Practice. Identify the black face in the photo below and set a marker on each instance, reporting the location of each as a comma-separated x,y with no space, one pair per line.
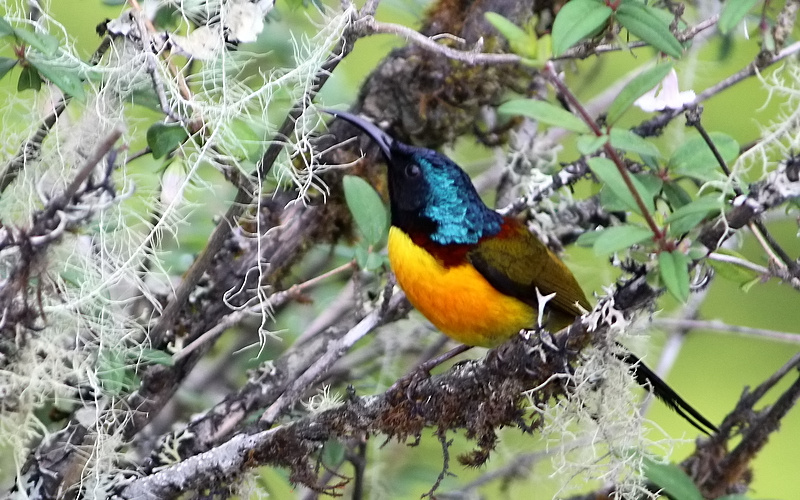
408,187
429,193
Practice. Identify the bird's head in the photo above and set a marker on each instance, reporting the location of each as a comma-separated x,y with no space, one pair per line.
428,192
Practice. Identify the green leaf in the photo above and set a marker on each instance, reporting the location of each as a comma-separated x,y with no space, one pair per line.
695,159
367,208
674,270
635,89
745,287
520,41
29,79
685,224
243,141
671,479
733,272
544,112
111,370
628,141
361,255
6,63
588,238
67,79
651,183
618,238
608,174
676,195
704,205
155,357
735,497
5,28
733,11
641,21
688,216
374,262
577,20
333,452
43,42
589,143
163,138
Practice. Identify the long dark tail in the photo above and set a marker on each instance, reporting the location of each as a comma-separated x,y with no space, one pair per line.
649,380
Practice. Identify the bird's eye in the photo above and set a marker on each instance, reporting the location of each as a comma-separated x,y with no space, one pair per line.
412,170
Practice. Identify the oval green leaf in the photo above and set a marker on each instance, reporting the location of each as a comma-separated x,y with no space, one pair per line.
43,42
673,267
733,11
705,205
619,238
628,141
689,216
641,21
588,238
695,159
163,138
111,370
544,112
155,357
29,79
65,78
608,174
367,208
636,88
733,272
676,195
5,28
519,40
577,20
672,480
589,143
6,63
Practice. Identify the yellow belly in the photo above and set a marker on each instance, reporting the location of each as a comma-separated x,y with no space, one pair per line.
457,300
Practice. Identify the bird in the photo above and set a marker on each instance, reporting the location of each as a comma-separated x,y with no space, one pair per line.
480,277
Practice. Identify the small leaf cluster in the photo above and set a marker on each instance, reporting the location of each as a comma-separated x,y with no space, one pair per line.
637,178
36,53
583,19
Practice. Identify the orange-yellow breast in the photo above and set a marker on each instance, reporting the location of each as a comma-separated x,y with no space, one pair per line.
457,300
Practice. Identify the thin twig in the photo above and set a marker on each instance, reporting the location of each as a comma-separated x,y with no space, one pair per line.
719,326
369,26
323,364
768,243
243,198
732,259
552,76
762,240
99,152
659,122
273,301
675,342
31,147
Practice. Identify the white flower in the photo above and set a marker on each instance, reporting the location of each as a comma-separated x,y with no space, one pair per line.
245,20
665,95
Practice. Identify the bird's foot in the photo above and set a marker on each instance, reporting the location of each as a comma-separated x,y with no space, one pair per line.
408,383
552,350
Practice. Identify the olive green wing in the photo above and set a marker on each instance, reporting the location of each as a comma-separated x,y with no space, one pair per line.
516,263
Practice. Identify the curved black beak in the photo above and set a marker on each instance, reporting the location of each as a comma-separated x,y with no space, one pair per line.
384,140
